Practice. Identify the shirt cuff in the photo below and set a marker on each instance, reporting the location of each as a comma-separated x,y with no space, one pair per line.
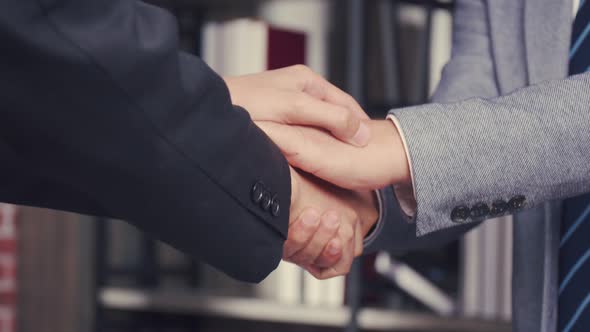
405,195
378,225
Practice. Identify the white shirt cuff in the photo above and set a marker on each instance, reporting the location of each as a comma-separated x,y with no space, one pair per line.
406,197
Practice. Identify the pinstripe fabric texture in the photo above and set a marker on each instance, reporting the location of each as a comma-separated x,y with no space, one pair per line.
574,253
499,136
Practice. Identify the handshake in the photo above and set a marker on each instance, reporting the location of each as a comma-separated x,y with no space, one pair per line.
338,158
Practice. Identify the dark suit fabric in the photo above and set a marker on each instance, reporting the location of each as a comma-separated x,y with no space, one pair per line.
101,114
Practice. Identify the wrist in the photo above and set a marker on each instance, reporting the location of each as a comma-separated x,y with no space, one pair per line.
392,151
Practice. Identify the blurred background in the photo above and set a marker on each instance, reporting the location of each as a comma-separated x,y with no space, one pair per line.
63,272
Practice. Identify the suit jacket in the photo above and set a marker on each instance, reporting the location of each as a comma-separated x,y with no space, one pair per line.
101,114
508,130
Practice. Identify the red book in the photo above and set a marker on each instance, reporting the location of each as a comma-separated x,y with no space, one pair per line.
285,48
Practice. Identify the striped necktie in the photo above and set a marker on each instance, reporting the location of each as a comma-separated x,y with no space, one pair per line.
574,249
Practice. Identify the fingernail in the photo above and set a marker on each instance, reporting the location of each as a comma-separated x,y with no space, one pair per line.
333,248
310,218
362,136
331,220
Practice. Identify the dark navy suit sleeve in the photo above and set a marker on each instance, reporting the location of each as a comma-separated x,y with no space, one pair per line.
101,114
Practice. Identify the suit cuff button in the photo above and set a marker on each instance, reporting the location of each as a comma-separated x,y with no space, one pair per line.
479,211
257,192
460,214
499,208
275,208
266,201
517,203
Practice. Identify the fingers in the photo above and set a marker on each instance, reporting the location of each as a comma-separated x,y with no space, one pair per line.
306,244
320,88
331,254
306,80
328,228
297,95
301,232
327,258
342,122
342,118
346,233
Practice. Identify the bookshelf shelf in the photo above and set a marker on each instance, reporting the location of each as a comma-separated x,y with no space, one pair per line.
195,303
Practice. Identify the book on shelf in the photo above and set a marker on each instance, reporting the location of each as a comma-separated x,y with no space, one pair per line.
487,271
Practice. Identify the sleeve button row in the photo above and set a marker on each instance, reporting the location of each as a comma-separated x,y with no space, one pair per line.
265,199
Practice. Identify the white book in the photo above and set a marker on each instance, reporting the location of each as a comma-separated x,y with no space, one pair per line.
507,260
471,273
244,47
313,293
236,47
492,269
283,284
211,43
440,45
487,270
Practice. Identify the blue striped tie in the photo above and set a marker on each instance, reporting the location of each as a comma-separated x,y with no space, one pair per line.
574,250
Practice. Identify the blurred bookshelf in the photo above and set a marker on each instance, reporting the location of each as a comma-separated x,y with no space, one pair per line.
251,309
386,53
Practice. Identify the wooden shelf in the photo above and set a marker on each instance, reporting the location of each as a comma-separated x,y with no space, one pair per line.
194,303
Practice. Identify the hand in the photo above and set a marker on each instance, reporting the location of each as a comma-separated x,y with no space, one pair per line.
382,162
326,244
298,96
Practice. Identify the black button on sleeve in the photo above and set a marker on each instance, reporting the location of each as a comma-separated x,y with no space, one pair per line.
517,203
480,211
499,208
460,214
257,192
266,201
275,208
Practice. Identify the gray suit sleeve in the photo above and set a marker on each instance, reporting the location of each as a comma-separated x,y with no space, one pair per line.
531,143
